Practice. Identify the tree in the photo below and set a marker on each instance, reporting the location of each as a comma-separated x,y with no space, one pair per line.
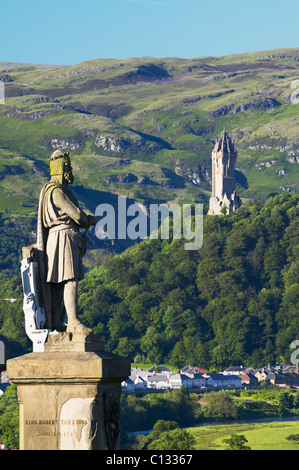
220,403
177,439
152,344
294,438
167,435
9,418
236,442
161,426
286,400
224,209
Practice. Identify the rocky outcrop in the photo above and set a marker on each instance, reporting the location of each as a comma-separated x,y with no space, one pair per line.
290,149
35,115
4,77
143,73
256,104
108,144
64,144
40,99
203,130
189,171
125,178
142,180
223,111
263,165
281,172
217,95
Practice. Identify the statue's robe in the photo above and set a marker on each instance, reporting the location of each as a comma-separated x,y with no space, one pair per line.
60,243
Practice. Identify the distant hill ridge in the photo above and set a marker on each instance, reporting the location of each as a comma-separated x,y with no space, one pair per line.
145,127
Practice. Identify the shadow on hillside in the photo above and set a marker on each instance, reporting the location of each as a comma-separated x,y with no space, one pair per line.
91,198
241,179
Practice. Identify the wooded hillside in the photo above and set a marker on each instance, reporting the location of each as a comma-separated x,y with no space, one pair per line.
235,301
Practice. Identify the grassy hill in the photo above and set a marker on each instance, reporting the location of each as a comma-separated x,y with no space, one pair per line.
165,111
145,127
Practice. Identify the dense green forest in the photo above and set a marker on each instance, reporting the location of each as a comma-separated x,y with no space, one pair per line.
234,301
15,232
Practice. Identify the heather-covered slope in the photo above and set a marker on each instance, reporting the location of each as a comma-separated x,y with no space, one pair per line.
164,112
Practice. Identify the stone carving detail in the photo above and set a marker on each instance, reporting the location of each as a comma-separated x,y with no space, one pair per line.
75,424
111,419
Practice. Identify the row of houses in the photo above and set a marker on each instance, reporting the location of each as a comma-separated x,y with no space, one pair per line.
195,378
162,378
145,380
278,377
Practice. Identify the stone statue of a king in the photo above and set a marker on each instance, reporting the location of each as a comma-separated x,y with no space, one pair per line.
61,246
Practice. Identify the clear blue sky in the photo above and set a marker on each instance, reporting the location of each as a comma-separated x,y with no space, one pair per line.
71,31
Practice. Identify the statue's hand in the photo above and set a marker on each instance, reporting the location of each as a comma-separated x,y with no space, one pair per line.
92,220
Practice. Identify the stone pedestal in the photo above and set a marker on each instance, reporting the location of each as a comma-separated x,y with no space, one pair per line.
69,394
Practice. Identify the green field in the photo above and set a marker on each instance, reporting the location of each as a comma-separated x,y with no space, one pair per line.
260,436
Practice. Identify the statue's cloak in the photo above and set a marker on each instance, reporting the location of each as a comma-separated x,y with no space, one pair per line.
42,236
60,243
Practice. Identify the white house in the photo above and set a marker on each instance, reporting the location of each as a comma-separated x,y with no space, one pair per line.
234,370
175,381
198,381
158,381
162,370
142,372
128,385
193,380
186,380
140,383
134,383
221,380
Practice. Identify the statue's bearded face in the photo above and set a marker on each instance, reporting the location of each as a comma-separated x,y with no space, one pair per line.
68,174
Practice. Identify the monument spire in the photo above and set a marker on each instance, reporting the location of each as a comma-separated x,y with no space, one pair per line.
224,194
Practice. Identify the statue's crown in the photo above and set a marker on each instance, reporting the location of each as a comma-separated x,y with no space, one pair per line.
59,154
58,160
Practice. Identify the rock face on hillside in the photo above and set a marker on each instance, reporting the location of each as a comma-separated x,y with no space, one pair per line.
125,178
256,104
189,171
4,77
108,144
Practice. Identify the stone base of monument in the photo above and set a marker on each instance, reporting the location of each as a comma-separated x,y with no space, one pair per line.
69,395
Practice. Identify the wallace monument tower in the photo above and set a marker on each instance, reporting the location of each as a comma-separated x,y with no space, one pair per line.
224,196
